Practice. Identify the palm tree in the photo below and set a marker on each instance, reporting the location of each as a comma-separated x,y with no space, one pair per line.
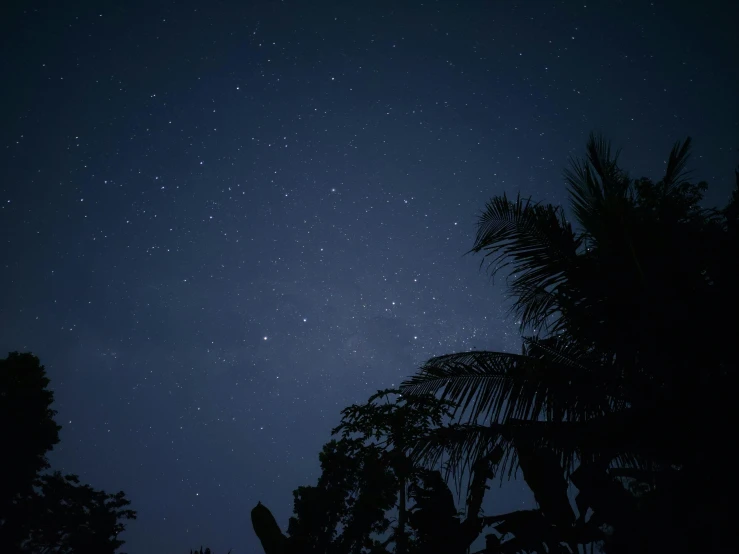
625,365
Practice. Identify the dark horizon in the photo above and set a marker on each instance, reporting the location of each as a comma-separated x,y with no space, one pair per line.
225,223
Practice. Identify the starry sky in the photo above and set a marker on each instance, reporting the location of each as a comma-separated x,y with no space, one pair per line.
222,222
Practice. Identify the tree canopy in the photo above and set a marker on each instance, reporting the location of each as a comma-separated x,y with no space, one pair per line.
43,511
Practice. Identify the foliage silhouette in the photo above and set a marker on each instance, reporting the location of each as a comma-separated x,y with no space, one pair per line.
73,518
46,512
266,528
553,527
371,495
621,369
25,402
607,394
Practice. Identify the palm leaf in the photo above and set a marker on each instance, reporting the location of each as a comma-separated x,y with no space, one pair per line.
490,384
675,171
604,163
597,189
559,349
537,307
498,386
613,437
535,242
455,446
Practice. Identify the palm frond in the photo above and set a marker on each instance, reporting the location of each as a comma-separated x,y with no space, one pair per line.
596,185
537,307
604,163
492,384
499,386
675,171
586,194
534,241
558,349
457,446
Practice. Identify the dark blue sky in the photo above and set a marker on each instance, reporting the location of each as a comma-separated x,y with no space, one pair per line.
222,222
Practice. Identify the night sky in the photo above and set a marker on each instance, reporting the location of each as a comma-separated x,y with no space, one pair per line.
223,222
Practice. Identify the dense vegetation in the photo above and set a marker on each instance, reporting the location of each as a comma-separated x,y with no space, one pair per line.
622,389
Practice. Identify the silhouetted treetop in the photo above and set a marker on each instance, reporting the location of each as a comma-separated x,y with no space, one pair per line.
46,512
27,427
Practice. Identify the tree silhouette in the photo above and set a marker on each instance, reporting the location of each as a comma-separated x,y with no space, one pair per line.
75,519
371,494
27,433
46,512
625,367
